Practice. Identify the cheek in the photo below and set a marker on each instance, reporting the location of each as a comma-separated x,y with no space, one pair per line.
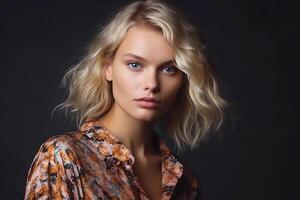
172,89
123,85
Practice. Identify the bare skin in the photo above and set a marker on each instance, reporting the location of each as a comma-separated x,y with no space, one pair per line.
149,174
142,67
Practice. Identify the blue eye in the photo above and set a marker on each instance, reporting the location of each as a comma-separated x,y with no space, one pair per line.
170,69
134,66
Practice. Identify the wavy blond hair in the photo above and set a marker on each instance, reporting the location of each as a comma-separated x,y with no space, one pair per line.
199,107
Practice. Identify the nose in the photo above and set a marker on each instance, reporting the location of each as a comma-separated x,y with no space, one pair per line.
151,82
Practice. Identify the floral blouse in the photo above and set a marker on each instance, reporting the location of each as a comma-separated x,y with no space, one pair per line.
93,164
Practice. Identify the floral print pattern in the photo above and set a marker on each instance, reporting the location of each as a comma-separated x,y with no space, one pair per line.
93,164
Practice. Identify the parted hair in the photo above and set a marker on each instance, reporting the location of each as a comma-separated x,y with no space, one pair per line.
199,107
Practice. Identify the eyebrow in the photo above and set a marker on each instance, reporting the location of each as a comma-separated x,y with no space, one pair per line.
144,60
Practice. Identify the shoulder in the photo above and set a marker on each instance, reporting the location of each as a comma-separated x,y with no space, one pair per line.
55,168
188,175
62,141
189,182
58,149
55,150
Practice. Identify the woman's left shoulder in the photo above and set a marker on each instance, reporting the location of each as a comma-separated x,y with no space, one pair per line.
188,184
189,174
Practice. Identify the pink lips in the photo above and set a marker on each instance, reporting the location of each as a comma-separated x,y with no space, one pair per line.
149,103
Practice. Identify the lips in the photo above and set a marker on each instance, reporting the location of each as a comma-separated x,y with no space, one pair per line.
148,99
148,103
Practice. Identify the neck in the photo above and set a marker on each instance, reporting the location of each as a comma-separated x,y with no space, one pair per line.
135,134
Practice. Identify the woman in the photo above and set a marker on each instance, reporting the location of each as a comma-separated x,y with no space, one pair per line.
145,65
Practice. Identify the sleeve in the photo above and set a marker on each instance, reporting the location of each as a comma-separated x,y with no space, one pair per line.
54,173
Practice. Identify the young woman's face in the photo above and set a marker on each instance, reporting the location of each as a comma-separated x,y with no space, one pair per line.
143,67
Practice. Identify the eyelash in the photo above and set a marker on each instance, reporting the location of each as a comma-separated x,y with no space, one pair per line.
173,67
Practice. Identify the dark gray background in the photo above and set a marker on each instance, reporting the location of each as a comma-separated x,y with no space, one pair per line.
253,44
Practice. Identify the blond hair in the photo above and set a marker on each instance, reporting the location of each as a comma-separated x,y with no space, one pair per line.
199,106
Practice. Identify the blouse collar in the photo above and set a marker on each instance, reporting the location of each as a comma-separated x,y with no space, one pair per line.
116,153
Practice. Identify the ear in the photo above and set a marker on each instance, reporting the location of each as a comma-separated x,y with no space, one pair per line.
108,70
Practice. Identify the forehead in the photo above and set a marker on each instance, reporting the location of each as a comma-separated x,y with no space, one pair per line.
146,42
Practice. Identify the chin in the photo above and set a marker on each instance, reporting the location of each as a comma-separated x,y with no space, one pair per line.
147,117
